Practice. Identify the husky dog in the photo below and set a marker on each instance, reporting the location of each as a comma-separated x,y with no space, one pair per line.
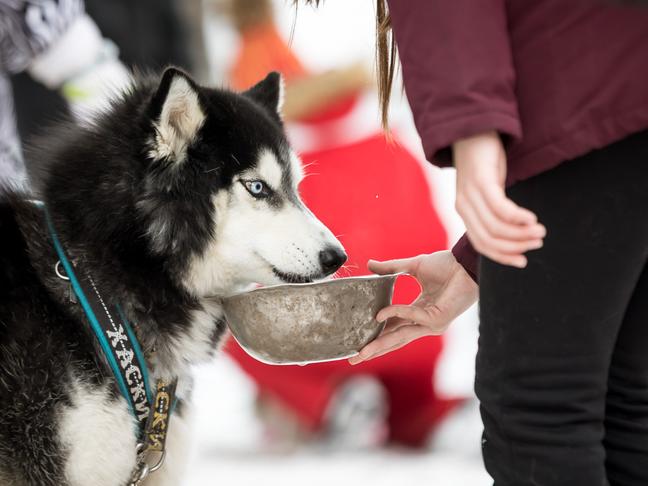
175,196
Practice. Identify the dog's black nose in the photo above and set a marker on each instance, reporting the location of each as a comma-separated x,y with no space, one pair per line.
331,259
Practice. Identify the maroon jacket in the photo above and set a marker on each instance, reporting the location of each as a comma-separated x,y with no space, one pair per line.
557,78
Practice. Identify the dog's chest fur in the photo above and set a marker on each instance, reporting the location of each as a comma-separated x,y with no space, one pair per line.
96,425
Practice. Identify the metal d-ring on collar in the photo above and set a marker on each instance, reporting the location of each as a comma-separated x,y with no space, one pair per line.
59,274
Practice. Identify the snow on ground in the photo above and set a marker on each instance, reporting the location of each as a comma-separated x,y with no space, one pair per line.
227,450
377,469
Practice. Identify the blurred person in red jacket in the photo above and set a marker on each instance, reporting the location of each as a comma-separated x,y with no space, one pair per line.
542,107
366,191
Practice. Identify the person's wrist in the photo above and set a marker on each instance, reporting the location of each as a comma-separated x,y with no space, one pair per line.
464,148
468,283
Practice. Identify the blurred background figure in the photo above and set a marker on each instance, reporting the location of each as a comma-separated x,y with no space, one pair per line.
366,190
58,46
143,35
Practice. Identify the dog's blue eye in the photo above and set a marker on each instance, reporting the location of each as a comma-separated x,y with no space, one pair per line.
257,188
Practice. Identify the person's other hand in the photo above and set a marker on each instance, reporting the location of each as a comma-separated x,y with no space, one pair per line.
496,226
447,290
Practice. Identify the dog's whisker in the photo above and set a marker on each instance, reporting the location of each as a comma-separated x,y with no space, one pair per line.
310,164
351,266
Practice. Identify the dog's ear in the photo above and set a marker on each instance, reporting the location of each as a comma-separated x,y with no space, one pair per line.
269,93
177,116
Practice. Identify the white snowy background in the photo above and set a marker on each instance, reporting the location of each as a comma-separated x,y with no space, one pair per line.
227,447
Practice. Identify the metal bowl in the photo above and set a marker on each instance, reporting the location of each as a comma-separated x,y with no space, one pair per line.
309,323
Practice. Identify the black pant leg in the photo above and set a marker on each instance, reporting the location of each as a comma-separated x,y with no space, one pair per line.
626,415
548,332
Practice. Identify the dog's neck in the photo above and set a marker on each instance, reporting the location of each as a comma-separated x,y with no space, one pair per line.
175,329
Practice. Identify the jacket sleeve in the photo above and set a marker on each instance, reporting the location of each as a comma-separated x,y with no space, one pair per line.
467,256
457,70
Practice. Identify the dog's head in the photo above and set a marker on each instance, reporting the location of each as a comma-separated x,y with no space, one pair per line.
221,189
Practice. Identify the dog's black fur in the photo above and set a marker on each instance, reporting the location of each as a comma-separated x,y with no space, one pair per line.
103,191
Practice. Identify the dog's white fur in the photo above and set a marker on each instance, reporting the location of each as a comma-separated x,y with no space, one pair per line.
193,346
94,426
269,169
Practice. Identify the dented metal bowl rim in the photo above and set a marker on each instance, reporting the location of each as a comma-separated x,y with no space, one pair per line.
320,283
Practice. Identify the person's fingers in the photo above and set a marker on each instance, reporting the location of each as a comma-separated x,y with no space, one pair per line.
394,323
503,229
503,207
377,354
507,247
391,326
405,312
518,260
406,265
390,342
479,240
503,251
471,218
